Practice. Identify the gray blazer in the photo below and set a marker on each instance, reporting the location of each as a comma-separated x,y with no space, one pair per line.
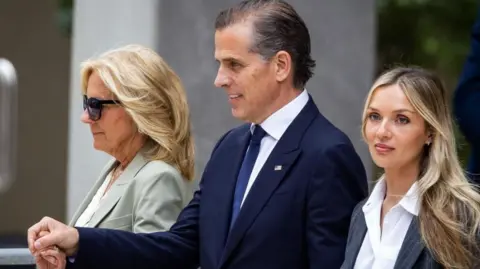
147,197
413,253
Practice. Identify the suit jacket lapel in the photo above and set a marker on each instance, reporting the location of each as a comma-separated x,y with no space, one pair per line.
117,189
285,153
357,235
411,248
92,192
228,174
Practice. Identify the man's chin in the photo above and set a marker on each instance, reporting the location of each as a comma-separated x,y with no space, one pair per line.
239,115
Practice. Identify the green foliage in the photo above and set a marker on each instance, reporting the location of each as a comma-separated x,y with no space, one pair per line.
429,33
64,17
433,34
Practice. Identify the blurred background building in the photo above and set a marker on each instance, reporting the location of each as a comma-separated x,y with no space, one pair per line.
46,40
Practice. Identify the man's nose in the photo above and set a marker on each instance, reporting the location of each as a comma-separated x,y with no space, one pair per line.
221,80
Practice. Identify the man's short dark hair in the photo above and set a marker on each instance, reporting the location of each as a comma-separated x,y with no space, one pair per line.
277,27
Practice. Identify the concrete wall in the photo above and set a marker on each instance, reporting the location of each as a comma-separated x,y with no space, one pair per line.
343,42
31,40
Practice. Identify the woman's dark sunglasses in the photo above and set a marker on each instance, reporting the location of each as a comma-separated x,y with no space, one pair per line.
94,106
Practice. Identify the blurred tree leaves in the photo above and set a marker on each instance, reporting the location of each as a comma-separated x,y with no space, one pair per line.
430,33
434,34
64,17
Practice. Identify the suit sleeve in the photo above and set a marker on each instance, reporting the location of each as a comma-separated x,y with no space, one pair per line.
467,95
159,202
338,184
175,249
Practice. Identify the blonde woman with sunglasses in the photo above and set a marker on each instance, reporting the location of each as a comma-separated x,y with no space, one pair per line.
136,109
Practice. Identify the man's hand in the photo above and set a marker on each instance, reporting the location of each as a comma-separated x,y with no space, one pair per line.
58,234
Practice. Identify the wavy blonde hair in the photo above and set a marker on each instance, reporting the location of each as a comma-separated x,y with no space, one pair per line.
153,95
449,214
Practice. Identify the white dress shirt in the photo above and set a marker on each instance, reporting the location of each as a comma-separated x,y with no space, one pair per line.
380,247
275,126
87,214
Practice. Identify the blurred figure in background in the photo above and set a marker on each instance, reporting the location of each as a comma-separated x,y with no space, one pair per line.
137,111
423,212
467,103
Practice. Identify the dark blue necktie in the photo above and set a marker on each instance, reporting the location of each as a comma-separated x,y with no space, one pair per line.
246,170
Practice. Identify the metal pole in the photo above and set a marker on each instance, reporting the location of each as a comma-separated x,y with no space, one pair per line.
8,124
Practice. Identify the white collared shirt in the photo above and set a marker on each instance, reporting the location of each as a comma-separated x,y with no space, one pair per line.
275,126
380,248
92,207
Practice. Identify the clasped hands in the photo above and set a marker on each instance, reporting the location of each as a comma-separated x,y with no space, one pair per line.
50,242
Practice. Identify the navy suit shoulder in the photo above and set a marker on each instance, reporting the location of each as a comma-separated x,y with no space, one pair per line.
322,136
230,137
325,140
467,99
338,184
233,134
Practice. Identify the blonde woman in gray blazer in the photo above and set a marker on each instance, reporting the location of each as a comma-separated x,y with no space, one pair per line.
422,213
137,111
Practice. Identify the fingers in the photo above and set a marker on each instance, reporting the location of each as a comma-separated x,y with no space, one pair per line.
32,234
62,263
40,262
54,253
48,233
47,241
50,259
55,258
40,229
43,233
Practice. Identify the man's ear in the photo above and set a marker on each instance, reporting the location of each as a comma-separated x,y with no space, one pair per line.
283,65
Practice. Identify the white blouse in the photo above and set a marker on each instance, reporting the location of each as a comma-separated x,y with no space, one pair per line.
380,247
87,214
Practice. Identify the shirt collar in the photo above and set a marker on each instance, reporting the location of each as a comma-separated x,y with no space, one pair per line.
409,202
277,123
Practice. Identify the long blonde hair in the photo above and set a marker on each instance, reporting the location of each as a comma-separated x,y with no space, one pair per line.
153,95
449,214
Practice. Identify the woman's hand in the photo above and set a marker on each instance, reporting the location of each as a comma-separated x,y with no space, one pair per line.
50,258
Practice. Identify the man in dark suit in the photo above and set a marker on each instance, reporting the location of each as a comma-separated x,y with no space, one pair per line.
276,193
467,103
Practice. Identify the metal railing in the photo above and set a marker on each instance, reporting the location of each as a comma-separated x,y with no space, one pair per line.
18,258
8,124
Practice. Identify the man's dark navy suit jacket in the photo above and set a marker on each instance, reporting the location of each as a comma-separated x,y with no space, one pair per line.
467,103
293,218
